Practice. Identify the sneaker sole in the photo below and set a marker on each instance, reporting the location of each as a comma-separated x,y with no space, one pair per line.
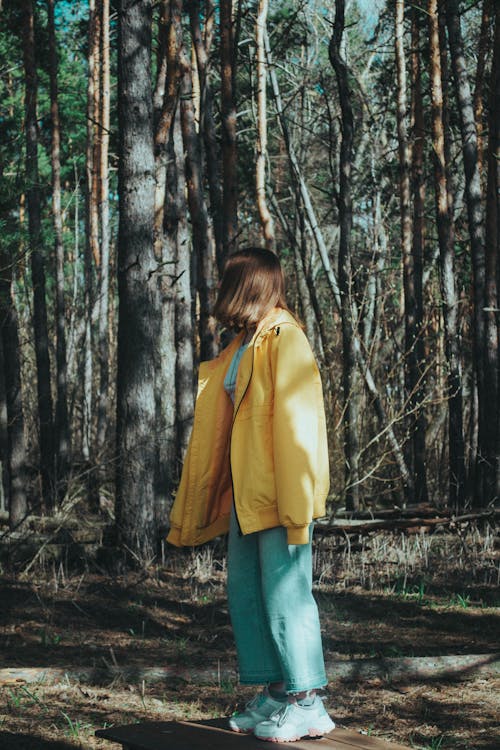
240,731
312,732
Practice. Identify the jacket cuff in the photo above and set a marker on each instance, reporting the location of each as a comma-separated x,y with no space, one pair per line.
174,537
297,534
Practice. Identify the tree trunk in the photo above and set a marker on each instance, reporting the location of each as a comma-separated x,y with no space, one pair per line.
4,437
208,126
139,304
410,315
266,219
62,430
166,105
310,309
46,438
484,476
349,372
417,393
178,227
103,402
165,254
203,241
478,85
492,349
228,53
385,424
91,234
456,497
14,460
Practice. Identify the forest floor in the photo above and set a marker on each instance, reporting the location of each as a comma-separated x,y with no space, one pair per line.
388,595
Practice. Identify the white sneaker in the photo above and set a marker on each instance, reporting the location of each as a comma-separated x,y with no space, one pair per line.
258,709
292,722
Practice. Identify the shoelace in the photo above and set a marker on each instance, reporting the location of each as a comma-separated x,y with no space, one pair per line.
256,701
280,714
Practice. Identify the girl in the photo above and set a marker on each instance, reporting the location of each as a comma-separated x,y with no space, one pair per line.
257,466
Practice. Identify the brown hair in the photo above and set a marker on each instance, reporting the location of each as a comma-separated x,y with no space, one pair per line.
252,284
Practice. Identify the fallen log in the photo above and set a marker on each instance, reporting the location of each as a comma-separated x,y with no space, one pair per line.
413,524
395,669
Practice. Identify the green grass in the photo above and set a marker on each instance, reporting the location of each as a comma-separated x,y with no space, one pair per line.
436,743
75,727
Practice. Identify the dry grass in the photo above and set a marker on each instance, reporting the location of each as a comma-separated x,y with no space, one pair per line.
385,594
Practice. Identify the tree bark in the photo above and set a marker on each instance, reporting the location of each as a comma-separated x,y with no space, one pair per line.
478,85
62,429
139,304
349,372
14,460
103,346
266,219
184,381
165,254
410,314
492,327
203,241
484,489
166,105
417,392
4,437
33,198
228,53
456,448
207,124
91,251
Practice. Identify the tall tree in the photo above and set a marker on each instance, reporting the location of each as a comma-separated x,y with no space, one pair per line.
492,326
349,373
33,199
184,338
228,53
61,431
473,196
266,219
91,251
202,43
410,302
203,237
139,303
166,101
104,122
482,53
450,306
331,279
14,458
417,392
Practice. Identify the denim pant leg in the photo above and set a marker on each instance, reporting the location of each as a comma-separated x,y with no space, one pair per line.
257,658
292,612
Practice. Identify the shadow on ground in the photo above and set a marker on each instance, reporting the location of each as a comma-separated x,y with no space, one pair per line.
17,741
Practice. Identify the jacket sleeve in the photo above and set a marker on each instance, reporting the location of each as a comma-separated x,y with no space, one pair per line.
297,400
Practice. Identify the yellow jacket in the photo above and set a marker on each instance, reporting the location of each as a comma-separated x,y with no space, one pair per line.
269,451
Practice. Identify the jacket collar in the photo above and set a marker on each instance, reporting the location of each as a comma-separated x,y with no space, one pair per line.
274,317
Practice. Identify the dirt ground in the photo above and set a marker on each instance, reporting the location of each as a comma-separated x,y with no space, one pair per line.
429,604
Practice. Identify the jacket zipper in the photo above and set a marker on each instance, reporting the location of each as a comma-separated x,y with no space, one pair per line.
240,533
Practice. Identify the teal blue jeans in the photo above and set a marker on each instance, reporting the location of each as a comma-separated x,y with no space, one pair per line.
273,612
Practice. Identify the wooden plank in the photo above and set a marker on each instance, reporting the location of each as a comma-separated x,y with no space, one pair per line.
348,738
214,735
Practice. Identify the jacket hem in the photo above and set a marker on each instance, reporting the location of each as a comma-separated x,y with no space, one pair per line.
202,535
268,518
174,537
297,534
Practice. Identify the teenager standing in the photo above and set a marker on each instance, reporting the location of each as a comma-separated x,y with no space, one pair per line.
257,467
